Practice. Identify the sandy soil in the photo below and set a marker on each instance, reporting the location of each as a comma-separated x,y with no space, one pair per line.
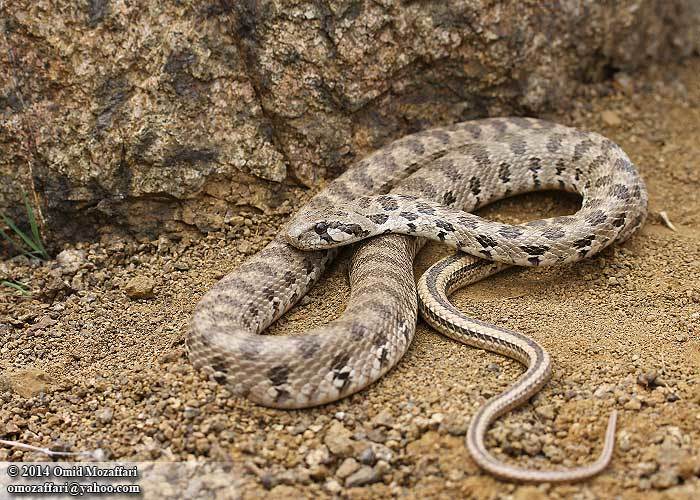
86,366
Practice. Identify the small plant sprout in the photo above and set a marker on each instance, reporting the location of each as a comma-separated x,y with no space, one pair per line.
20,287
29,245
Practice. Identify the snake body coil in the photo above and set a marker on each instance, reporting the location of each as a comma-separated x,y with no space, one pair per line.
463,166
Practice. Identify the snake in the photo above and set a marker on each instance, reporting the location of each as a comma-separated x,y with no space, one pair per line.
421,186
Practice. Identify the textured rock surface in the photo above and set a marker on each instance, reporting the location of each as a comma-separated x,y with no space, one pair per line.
158,118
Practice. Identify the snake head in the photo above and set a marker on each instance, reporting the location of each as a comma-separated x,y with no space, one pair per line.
327,228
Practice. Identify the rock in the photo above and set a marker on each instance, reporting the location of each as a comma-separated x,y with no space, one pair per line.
333,486
689,467
672,397
610,118
456,425
71,261
383,419
299,429
377,435
105,415
364,475
624,441
381,452
545,411
670,453
5,384
140,287
54,286
268,480
349,466
284,491
436,419
317,456
42,324
648,378
427,444
88,298
191,412
553,453
664,479
493,367
529,493
338,440
633,404
11,428
29,382
368,457
245,248
646,469
315,427
603,391
181,266
532,446
171,356
155,164
624,82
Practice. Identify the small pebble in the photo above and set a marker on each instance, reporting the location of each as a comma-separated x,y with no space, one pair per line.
71,261
633,404
646,469
368,457
546,412
12,428
348,467
611,118
647,378
140,287
105,415
317,457
333,486
245,248
364,475
383,419
338,440
664,479
455,425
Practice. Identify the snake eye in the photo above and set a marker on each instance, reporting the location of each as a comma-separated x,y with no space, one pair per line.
321,228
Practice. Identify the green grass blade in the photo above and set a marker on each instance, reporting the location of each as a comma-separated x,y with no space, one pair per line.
20,287
35,228
27,240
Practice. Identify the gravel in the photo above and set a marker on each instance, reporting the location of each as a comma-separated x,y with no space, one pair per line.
87,363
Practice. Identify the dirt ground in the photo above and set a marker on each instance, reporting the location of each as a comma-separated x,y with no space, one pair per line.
86,364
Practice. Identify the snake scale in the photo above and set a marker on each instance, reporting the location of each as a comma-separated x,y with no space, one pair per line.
435,177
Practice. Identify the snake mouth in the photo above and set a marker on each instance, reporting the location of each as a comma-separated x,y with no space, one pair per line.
336,234
324,234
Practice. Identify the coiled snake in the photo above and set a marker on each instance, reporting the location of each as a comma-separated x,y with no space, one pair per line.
465,166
